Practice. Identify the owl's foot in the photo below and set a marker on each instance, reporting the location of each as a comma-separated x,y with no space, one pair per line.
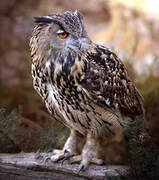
85,162
71,148
78,158
61,154
82,167
89,154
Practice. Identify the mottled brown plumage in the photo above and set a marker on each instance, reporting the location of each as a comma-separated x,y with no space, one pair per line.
83,85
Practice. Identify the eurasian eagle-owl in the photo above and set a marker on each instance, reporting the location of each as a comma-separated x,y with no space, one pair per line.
83,85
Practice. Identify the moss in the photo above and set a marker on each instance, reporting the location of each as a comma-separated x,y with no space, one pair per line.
7,144
149,87
54,136
145,161
144,155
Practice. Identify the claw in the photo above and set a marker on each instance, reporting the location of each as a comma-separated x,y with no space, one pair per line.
104,162
45,160
81,168
65,151
50,150
64,159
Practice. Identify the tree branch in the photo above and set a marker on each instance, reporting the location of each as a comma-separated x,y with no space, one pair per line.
25,166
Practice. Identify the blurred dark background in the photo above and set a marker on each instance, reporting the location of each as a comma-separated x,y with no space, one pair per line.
131,30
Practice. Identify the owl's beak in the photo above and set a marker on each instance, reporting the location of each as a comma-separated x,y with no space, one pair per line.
81,43
84,42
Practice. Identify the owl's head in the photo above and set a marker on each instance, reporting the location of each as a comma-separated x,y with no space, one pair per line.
62,32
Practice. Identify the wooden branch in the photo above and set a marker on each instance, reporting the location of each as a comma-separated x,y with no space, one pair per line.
24,166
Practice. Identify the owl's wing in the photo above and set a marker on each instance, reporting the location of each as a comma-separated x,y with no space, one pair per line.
107,83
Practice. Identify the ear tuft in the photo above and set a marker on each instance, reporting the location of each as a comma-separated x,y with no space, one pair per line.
42,20
78,14
47,19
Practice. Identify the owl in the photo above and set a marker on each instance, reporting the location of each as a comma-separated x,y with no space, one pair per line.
85,86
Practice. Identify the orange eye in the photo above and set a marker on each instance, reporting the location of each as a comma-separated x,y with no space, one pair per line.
63,35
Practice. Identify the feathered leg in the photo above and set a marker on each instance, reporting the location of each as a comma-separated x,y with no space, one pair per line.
72,147
89,153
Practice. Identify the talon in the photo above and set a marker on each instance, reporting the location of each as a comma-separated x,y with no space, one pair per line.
64,159
81,168
50,150
104,162
65,151
45,160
